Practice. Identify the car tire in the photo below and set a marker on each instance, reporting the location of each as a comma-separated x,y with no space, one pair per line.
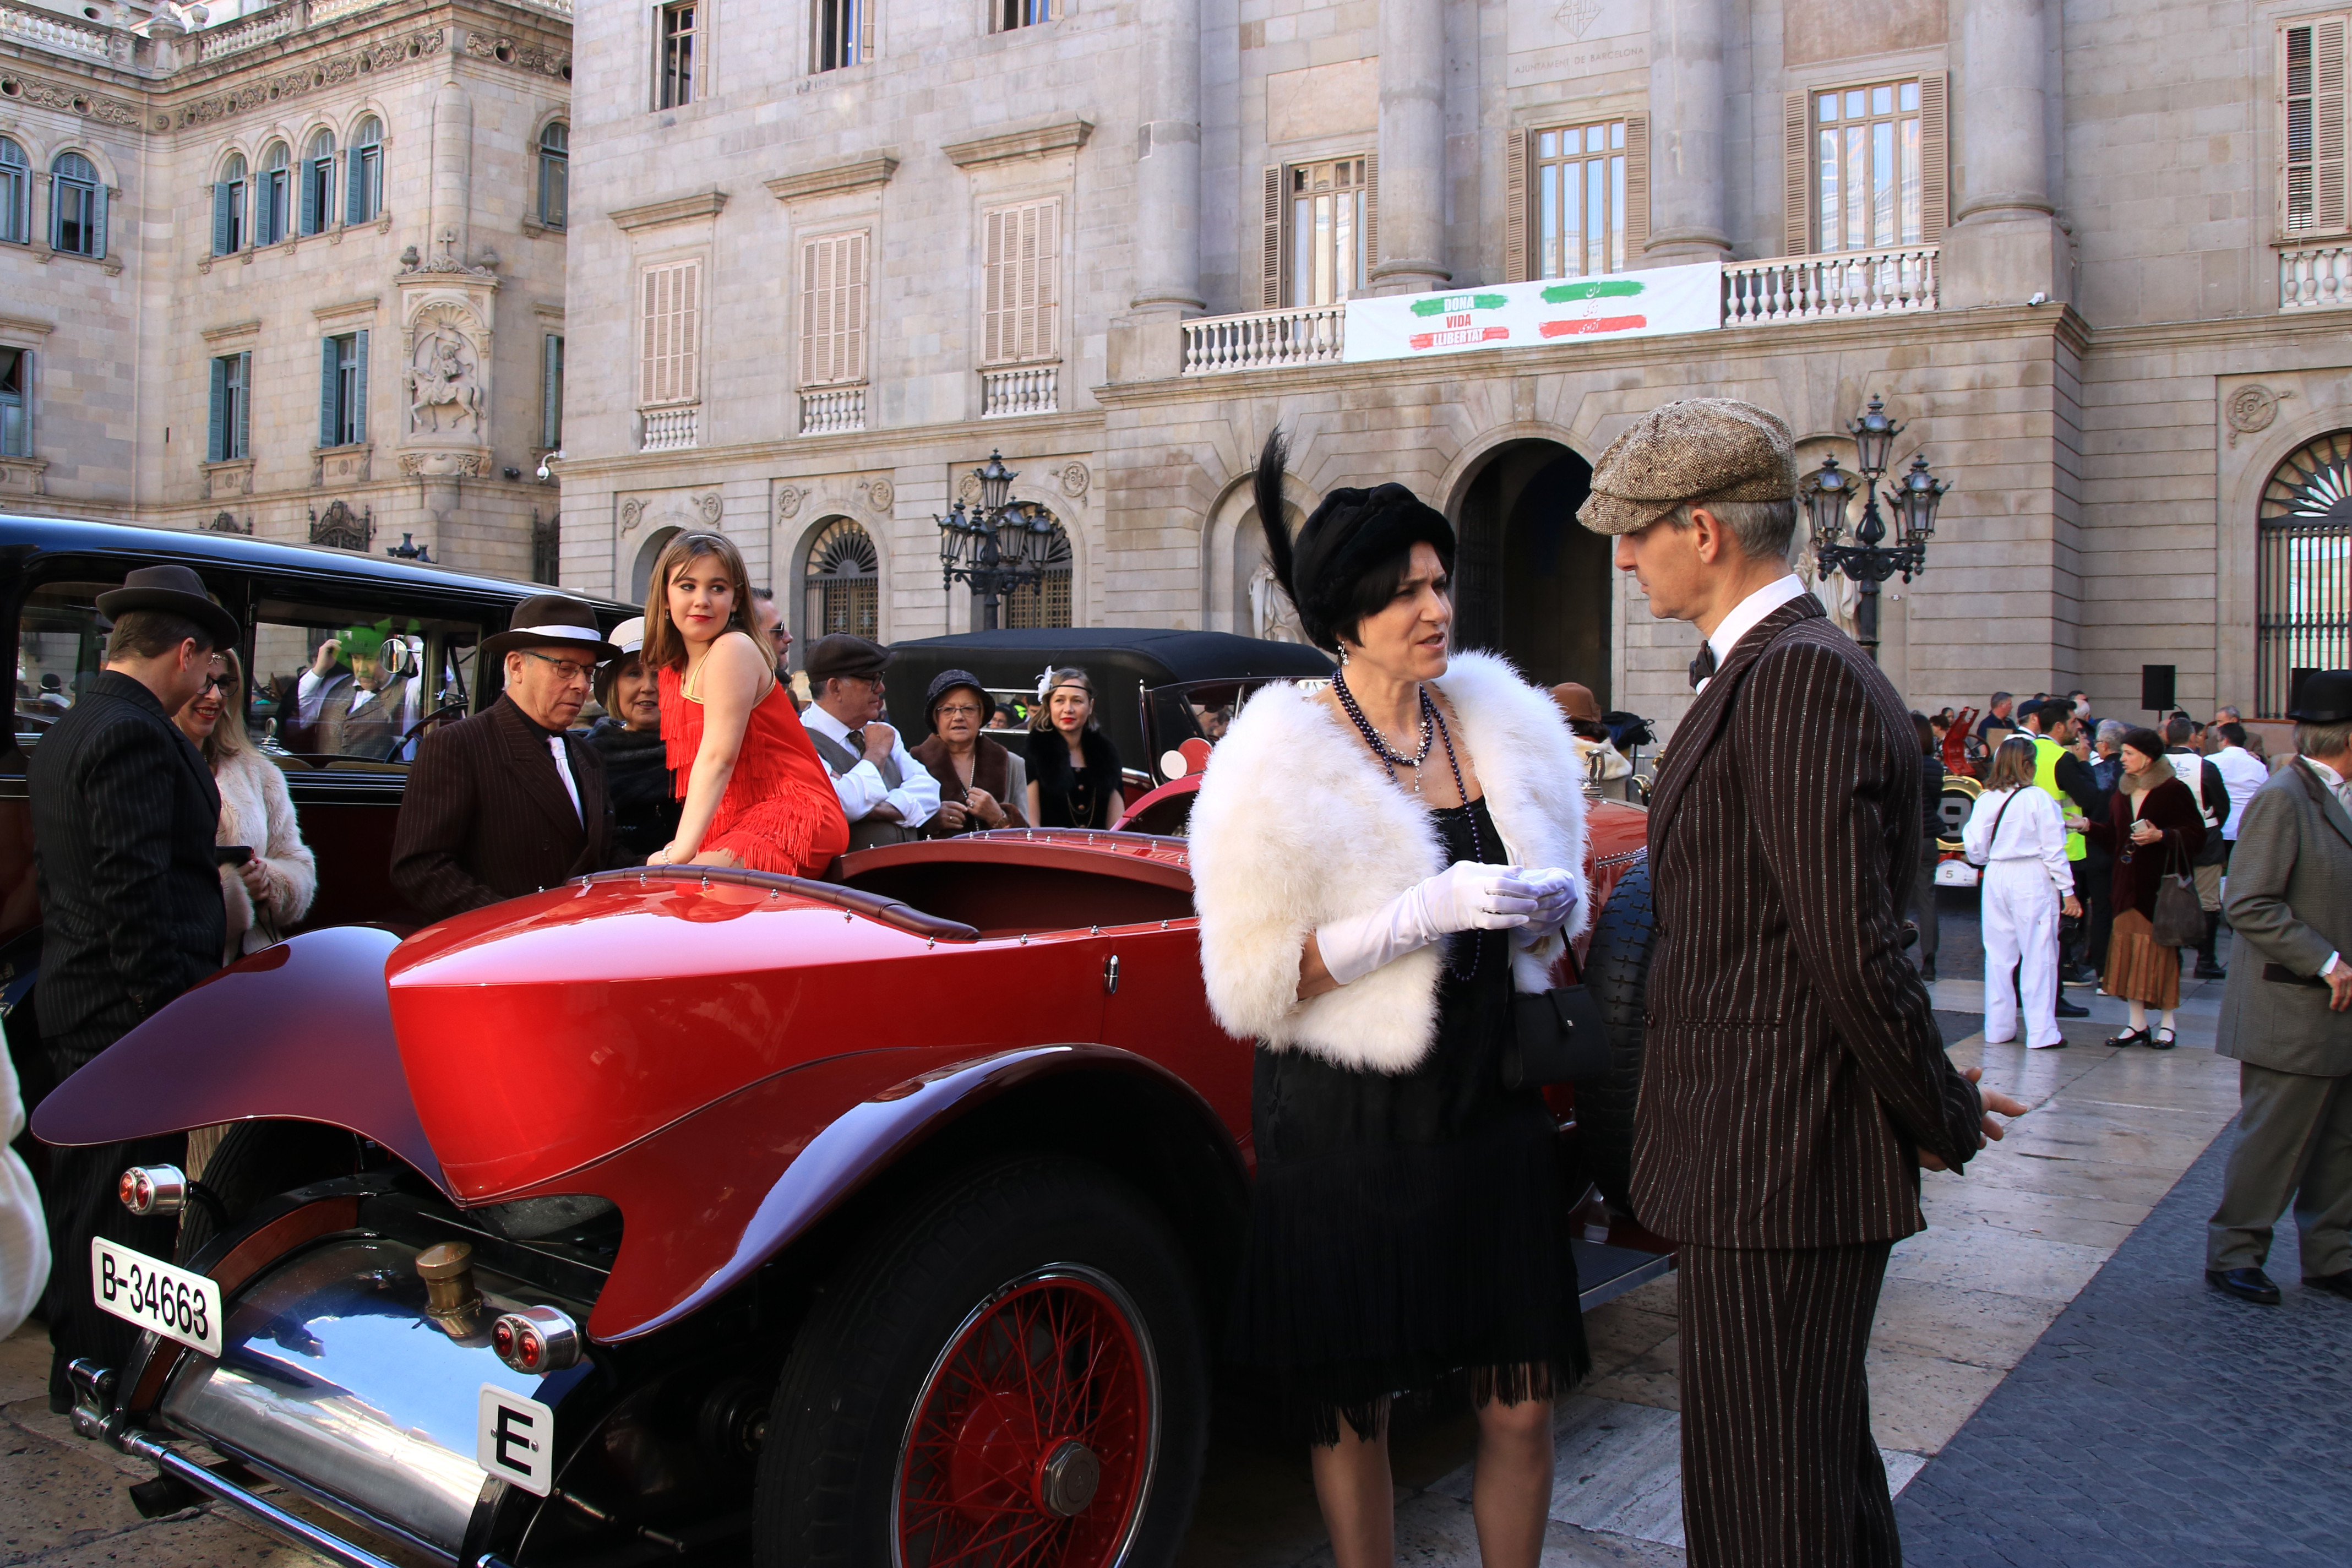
256,1161
898,1396
1617,969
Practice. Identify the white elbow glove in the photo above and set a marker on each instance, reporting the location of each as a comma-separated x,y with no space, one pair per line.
1557,896
1463,897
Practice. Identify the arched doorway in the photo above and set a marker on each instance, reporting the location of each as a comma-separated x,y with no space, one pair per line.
1046,602
2302,609
641,576
841,584
1530,582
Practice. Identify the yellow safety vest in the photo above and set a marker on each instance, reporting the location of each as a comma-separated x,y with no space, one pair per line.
2046,752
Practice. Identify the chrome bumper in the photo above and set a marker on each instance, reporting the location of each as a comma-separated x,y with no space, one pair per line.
94,1418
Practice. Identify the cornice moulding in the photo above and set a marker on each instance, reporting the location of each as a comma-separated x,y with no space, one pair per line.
1066,136
829,182
232,330
25,327
367,307
672,209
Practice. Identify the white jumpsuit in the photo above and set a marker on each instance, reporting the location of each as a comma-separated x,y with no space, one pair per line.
2026,877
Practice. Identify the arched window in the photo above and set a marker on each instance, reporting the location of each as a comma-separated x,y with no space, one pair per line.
1045,602
2303,611
77,206
318,184
270,191
844,581
554,175
363,172
16,195
228,208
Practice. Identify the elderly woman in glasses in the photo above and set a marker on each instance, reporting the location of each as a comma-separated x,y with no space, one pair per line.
981,783
272,891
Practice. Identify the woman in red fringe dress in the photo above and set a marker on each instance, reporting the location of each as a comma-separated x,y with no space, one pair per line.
756,793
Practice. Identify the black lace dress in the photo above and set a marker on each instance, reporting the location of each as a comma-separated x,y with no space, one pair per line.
1410,1231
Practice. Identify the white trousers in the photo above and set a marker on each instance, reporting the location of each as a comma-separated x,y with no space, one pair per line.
2021,934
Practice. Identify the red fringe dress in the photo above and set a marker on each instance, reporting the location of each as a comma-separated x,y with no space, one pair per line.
780,812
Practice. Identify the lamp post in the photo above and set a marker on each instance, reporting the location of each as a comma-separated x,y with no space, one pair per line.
1829,490
997,545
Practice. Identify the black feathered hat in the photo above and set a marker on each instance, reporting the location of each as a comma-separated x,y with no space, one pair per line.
1354,534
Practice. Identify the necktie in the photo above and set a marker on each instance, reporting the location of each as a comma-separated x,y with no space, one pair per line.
1702,667
858,743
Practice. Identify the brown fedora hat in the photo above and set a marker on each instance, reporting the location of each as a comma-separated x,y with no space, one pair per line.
173,590
551,620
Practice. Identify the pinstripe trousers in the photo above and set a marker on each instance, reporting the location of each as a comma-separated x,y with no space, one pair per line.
1779,1469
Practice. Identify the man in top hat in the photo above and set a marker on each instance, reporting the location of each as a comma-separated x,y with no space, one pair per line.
2286,1014
1794,1079
124,813
884,793
507,801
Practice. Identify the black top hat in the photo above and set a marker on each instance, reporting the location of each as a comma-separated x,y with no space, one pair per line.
175,590
2325,698
549,620
843,654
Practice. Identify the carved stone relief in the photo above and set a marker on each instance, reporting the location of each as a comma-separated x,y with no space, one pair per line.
657,509
106,110
878,493
2251,410
293,84
1075,479
788,502
534,57
443,374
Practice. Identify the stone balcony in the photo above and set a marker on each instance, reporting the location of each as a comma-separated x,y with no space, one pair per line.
2314,275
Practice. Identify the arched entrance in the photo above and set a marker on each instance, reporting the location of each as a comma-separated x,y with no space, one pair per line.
641,576
1530,582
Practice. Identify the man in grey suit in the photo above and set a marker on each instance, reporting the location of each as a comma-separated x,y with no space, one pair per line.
2286,1016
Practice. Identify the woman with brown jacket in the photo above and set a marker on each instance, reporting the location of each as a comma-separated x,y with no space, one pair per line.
981,783
2152,824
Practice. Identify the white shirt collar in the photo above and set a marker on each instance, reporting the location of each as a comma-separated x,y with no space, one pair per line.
1750,610
2328,775
821,720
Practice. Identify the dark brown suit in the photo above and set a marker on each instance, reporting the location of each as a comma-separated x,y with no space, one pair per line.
1793,1071
486,816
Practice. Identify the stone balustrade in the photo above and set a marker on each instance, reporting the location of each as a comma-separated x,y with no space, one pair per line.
334,10
1019,389
252,32
832,410
1265,339
64,35
1816,288
2315,277
671,429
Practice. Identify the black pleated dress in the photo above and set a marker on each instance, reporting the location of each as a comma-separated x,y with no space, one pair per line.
1409,1231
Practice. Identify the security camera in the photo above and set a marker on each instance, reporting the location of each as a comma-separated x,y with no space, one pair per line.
2039,298
544,474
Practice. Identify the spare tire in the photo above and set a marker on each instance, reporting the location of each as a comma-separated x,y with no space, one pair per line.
1617,970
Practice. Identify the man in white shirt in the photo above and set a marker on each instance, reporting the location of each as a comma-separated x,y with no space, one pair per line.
884,793
2242,771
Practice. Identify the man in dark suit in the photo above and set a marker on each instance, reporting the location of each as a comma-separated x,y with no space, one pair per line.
124,813
1794,1079
506,803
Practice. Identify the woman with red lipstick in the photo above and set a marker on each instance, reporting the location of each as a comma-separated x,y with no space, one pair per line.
756,793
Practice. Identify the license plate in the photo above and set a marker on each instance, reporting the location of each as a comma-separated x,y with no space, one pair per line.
174,1303
514,1439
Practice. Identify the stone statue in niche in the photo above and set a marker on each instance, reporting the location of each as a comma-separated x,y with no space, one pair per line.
444,381
1271,614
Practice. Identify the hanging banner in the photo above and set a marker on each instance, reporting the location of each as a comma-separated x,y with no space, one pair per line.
1523,315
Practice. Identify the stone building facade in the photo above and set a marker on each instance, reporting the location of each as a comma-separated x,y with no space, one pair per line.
294,271
831,253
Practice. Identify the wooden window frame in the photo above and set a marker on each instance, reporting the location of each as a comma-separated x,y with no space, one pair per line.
678,54
1799,229
16,196
1274,283
228,426
1011,16
1522,242
841,34
835,309
16,434
2313,128
1021,297
669,334
342,389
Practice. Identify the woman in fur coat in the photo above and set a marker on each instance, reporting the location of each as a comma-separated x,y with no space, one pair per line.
272,891
1378,868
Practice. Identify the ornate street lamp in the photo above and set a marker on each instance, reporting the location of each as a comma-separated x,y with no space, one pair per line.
1827,493
998,545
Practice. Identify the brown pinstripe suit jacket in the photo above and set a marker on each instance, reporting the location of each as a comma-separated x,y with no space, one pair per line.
1793,1065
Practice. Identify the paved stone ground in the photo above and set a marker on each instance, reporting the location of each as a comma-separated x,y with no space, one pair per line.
2156,1423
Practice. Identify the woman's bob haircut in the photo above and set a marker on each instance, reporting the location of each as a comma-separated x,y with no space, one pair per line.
665,645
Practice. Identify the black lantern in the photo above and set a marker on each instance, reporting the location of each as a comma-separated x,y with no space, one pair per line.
1828,491
996,546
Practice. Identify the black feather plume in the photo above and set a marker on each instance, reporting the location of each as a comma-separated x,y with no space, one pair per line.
1267,489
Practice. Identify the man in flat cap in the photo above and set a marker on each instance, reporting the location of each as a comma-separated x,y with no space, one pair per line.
1795,1080
2286,1014
509,801
124,812
884,793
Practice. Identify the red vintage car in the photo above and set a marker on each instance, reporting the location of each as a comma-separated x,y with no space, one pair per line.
666,1213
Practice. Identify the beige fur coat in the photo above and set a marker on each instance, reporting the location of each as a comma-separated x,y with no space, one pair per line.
1296,826
256,811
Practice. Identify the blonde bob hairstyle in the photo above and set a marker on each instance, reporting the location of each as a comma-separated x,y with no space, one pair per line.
665,645
228,737
1041,717
2013,765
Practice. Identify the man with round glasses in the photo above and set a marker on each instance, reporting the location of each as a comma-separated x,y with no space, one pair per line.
507,801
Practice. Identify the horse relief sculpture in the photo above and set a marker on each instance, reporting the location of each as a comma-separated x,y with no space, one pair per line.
444,383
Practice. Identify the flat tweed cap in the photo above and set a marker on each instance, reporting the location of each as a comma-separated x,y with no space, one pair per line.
846,654
1715,449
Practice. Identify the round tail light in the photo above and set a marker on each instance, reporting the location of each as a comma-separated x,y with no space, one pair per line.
152,1191
536,1340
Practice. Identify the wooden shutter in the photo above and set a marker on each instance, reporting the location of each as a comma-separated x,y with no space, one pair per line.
1636,216
1021,292
669,358
2327,127
216,423
99,194
359,385
220,217
849,315
833,310
244,406
309,207
1371,212
1269,273
1797,173
551,391
1517,265
330,433
355,179
1935,156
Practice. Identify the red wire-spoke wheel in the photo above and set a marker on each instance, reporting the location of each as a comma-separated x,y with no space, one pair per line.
1032,1441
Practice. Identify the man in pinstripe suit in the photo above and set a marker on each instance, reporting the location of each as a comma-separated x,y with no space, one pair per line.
1794,1079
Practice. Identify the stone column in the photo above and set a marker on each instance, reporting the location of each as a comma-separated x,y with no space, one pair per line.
2004,245
453,166
1686,126
1168,163
1412,149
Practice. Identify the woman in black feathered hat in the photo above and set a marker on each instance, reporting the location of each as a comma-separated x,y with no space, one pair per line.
1379,867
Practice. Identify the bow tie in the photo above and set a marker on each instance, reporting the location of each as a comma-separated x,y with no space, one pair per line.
1702,667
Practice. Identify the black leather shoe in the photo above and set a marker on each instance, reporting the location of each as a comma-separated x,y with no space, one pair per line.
2210,969
2129,1038
2333,1284
2245,1284
2071,1009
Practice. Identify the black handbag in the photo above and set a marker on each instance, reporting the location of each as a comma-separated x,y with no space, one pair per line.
1559,1036
2179,919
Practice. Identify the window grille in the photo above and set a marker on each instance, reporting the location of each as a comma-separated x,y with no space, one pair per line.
1045,602
841,33
363,173
270,194
2303,611
1021,284
318,184
229,431
670,368
2313,120
843,583
833,310
16,195
343,390
554,175
15,426
674,65
77,206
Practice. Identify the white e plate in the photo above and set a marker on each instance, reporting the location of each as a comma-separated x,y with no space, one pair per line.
174,1303
515,1440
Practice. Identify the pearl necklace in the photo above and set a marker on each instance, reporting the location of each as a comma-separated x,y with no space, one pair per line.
1379,744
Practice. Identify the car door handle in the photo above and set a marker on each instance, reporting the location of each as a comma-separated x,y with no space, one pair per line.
1110,974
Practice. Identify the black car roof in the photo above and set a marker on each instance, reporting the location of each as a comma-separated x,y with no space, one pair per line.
1161,656
26,539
